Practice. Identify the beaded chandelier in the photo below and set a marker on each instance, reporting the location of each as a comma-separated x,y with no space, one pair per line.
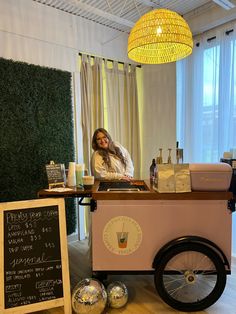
160,36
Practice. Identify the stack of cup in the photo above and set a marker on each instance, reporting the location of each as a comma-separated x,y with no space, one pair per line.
71,179
79,169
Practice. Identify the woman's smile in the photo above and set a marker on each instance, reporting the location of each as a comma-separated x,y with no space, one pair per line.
102,140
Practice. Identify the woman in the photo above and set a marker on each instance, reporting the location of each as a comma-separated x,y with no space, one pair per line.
110,160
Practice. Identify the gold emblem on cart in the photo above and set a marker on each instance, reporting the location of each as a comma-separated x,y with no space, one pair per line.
122,235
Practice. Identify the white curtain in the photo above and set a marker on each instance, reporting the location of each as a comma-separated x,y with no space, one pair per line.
122,110
206,101
206,98
92,106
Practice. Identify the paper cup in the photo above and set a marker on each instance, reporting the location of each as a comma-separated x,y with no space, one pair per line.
71,179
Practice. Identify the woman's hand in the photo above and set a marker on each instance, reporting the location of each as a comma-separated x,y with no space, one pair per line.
126,178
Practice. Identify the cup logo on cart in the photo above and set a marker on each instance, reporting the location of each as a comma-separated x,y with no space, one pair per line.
122,235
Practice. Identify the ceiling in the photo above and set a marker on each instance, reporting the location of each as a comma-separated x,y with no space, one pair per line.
122,14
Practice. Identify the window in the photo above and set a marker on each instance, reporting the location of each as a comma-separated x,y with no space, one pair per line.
206,99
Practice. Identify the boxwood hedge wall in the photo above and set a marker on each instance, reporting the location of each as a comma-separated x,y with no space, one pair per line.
36,126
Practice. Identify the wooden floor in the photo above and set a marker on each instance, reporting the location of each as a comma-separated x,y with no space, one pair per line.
143,298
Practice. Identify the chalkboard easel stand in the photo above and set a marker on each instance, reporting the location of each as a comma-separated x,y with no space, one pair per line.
33,252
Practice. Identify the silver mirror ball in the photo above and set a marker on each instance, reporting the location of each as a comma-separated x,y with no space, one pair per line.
89,297
117,294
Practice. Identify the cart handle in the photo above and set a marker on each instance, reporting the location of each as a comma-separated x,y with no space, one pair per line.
231,205
92,203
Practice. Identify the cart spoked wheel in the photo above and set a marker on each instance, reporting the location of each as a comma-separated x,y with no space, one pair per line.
190,277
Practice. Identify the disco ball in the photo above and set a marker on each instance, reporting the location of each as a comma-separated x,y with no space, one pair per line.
117,294
89,296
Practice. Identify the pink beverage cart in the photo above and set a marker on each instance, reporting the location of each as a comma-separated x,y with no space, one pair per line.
183,239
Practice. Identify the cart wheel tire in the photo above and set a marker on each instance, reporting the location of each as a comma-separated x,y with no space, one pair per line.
190,277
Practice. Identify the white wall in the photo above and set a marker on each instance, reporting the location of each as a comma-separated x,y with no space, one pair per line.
39,34
208,17
158,113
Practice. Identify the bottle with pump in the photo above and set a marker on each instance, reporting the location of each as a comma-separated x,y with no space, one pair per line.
152,171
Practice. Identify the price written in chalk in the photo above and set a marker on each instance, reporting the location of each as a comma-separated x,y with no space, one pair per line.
49,245
35,237
47,229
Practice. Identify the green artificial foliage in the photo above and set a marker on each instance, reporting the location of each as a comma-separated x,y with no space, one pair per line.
36,126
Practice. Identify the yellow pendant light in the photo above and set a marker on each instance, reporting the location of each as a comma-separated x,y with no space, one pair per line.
160,36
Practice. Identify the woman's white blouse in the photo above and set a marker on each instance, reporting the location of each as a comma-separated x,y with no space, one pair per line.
100,169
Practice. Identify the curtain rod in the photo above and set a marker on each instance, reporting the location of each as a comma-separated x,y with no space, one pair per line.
120,62
214,37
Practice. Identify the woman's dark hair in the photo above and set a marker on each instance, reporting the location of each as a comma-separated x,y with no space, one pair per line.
112,149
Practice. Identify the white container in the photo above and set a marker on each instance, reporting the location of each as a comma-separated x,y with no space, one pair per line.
79,170
210,176
71,179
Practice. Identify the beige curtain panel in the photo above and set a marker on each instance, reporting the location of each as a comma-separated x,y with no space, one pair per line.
92,107
122,110
122,106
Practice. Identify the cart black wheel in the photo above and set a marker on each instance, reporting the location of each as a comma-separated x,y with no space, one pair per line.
190,277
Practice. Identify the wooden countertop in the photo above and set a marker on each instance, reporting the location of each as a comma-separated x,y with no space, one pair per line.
73,192
137,195
154,195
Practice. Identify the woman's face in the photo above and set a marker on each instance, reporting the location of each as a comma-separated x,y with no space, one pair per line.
102,140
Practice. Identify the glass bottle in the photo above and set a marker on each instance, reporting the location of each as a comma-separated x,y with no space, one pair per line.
152,171
179,154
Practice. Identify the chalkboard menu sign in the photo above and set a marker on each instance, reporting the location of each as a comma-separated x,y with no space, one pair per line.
56,175
35,258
